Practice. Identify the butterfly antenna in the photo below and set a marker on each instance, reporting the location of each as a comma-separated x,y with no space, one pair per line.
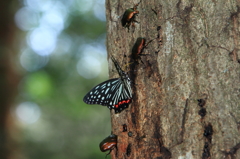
119,69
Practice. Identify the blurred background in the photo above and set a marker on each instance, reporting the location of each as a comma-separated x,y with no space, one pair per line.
56,54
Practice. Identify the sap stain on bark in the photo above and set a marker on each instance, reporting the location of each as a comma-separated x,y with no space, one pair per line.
231,153
201,102
133,118
202,112
234,17
183,122
166,154
128,151
206,151
208,132
130,134
184,13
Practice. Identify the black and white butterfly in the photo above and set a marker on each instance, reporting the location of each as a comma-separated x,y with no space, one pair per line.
114,93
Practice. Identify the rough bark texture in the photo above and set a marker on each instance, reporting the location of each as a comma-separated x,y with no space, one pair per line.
194,56
8,77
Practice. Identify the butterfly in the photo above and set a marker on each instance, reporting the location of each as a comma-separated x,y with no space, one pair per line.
114,93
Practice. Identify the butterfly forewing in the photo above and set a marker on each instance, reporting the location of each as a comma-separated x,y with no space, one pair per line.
101,93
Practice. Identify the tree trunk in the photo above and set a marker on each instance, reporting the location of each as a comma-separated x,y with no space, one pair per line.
8,77
193,58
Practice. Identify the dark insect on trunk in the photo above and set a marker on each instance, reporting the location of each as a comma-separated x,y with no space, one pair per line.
138,48
108,143
129,16
124,128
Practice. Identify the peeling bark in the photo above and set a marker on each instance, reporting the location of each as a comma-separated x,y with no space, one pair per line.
194,55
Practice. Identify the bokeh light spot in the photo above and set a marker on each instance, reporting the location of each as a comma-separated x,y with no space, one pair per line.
39,5
43,40
26,19
89,67
39,85
31,61
99,10
84,6
55,17
28,112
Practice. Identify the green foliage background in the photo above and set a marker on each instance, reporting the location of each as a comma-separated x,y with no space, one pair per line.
67,127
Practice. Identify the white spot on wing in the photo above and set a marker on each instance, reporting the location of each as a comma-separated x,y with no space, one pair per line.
107,90
109,96
113,82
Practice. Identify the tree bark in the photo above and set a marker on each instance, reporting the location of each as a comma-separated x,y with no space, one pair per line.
193,58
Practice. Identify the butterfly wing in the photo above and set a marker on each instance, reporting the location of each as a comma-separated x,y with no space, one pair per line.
111,93
102,93
122,96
